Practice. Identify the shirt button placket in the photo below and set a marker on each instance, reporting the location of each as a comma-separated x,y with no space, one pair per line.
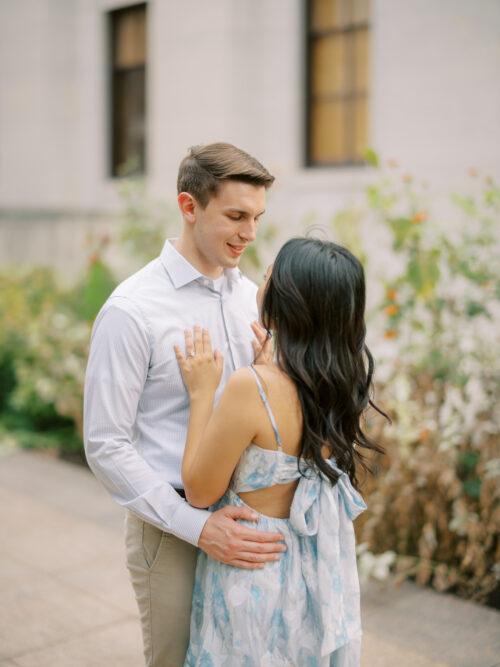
226,332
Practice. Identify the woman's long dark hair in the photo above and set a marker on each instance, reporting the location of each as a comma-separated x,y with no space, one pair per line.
314,302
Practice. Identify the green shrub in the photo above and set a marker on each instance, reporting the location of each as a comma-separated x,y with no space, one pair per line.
435,501
43,353
23,296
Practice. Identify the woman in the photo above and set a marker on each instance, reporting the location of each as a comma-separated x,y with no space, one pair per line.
282,441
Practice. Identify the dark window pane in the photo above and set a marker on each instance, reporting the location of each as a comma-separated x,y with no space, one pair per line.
128,121
128,94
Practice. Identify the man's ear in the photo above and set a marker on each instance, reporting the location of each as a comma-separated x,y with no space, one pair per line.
187,205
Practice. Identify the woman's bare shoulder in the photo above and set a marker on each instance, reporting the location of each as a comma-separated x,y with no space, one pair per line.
241,386
241,378
274,377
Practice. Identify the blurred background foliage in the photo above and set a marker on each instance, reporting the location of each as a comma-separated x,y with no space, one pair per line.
434,498
434,504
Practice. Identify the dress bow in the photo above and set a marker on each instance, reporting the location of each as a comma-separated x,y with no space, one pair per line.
327,511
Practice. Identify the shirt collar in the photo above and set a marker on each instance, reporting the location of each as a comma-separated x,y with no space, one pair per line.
183,272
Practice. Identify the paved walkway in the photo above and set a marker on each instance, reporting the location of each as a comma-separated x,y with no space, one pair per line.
66,600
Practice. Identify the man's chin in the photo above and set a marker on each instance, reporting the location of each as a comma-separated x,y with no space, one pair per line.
231,262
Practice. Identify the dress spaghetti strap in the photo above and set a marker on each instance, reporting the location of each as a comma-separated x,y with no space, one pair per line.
265,400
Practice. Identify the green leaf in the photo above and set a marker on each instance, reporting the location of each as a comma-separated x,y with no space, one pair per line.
467,204
472,487
378,199
402,230
474,308
414,274
468,460
99,284
371,157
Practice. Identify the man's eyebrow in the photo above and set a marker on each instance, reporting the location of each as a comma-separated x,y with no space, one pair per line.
242,211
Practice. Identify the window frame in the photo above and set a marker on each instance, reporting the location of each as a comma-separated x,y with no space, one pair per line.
112,68
310,36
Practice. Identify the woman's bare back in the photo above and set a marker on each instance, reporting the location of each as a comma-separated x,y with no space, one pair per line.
275,501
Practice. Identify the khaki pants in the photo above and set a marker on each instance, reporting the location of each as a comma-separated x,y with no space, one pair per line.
162,571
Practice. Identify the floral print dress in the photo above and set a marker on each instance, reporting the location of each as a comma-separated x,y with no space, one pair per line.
302,610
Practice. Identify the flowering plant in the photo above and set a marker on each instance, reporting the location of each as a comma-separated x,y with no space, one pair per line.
435,500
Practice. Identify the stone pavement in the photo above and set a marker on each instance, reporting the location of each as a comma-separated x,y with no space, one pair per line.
66,600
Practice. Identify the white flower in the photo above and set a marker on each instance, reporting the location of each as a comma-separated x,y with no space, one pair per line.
492,469
45,389
371,565
59,320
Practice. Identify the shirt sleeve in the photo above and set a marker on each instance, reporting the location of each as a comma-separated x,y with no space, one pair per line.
116,372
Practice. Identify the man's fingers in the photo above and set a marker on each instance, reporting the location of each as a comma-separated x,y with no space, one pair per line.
245,513
239,546
245,565
253,557
265,548
252,535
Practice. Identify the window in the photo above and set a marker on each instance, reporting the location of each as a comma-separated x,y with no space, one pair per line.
128,90
337,81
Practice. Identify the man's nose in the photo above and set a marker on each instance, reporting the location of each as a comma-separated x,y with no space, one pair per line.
249,231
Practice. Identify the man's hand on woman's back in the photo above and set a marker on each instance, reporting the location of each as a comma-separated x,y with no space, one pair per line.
229,542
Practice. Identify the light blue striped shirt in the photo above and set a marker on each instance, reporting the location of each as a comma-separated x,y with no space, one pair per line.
136,407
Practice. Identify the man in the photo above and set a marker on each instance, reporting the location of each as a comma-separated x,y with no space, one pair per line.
137,408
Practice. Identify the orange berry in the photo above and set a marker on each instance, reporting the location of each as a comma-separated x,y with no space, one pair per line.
418,218
424,435
391,309
392,294
390,333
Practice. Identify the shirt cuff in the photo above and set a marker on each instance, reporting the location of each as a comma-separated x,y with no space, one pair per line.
188,522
